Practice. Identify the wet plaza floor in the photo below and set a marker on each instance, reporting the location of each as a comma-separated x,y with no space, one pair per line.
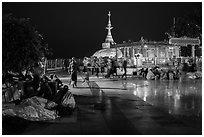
181,100
173,96
128,107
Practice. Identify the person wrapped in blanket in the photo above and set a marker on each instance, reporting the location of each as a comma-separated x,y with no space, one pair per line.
42,105
64,99
60,96
54,78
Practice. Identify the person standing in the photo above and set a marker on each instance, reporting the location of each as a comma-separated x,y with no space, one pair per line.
65,64
73,70
124,65
96,65
114,67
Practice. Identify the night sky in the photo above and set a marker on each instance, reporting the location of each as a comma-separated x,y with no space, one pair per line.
78,29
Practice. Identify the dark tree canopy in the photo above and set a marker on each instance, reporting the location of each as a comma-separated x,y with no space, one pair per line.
190,25
23,45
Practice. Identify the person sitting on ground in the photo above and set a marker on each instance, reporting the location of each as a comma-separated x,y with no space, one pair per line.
54,78
150,75
96,66
44,90
177,74
58,98
156,73
170,75
192,67
141,71
21,77
155,67
185,67
86,78
28,92
163,75
59,82
65,101
144,73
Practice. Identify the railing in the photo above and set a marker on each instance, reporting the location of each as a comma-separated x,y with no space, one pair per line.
55,64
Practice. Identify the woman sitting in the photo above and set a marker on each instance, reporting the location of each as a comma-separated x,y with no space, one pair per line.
150,75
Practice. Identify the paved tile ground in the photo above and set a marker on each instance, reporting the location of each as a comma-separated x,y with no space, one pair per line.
98,113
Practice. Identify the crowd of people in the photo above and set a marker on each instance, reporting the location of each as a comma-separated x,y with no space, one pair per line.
107,67
103,66
157,73
40,85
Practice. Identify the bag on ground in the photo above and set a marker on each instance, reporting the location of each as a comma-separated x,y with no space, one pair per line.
68,100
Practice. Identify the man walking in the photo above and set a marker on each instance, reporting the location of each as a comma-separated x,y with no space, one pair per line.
124,65
73,69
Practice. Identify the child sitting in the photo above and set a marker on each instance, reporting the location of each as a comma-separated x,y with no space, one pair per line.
86,78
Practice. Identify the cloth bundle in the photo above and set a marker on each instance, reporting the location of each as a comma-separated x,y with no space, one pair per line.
34,109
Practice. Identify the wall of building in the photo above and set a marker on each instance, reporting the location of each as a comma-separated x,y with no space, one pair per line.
152,53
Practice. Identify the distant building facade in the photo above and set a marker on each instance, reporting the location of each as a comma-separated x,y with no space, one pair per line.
149,51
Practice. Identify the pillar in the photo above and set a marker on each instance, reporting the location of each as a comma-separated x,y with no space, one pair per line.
193,51
177,51
133,52
157,55
124,51
55,63
167,54
128,52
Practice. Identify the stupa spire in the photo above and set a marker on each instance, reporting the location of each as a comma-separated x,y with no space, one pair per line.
109,37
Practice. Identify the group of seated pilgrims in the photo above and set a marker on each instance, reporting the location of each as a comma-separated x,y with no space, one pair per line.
46,87
156,73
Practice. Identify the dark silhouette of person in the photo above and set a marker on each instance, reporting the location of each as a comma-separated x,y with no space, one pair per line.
114,67
73,70
124,65
45,90
60,94
65,64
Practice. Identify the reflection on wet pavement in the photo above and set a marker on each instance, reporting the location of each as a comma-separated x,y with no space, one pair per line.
158,106
176,97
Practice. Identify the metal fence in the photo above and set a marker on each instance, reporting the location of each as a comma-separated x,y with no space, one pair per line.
54,64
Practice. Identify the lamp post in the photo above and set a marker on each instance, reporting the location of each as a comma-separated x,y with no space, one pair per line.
142,45
155,55
116,54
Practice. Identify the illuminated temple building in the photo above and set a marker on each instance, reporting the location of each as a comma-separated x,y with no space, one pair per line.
149,51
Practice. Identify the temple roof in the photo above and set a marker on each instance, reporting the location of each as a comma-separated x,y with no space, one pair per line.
110,52
153,43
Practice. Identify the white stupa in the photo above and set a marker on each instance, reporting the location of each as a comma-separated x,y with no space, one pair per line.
106,51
